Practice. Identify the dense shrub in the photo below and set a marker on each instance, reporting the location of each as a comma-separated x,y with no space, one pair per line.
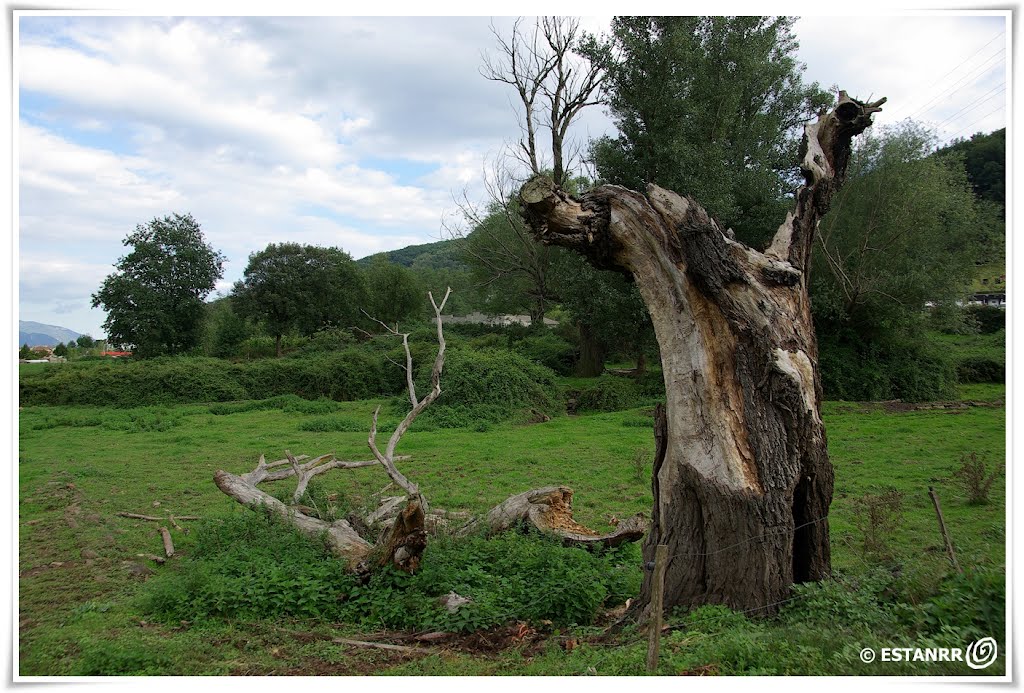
607,393
912,370
344,375
989,318
980,369
973,603
491,382
251,565
547,349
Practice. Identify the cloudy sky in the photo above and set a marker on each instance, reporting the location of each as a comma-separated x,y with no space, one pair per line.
349,132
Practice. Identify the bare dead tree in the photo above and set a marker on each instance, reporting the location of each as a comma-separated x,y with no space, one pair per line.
742,481
406,520
541,63
553,84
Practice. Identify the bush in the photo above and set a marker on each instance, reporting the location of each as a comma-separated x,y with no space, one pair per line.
548,350
607,393
252,565
877,515
490,385
912,370
975,478
989,318
973,603
341,376
980,369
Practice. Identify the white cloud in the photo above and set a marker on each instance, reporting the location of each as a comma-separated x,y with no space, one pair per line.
345,131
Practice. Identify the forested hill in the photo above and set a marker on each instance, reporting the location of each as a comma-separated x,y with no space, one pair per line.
438,255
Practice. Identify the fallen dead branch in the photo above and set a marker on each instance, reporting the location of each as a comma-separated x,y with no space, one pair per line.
136,516
380,645
168,544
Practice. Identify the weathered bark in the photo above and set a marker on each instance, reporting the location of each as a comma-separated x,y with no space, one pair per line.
742,481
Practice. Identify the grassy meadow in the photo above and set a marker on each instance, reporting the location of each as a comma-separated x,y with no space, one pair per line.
83,585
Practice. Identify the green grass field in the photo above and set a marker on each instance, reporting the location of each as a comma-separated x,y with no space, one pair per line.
79,564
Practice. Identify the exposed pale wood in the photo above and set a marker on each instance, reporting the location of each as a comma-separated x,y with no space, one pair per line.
387,457
387,507
157,559
380,646
343,541
549,509
168,544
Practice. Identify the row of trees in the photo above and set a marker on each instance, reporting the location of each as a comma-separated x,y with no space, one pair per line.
156,300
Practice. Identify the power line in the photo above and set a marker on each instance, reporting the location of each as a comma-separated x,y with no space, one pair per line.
968,108
974,73
959,65
1001,107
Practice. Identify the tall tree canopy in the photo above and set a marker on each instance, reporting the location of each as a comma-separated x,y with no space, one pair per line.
984,159
709,105
905,230
512,271
154,301
289,286
394,293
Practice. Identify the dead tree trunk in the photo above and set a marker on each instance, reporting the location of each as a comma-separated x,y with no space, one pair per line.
742,481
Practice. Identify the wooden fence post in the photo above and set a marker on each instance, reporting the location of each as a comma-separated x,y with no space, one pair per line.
657,606
945,532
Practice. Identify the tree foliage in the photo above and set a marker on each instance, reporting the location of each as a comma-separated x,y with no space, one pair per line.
904,231
984,160
393,291
608,311
305,288
512,270
709,107
154,301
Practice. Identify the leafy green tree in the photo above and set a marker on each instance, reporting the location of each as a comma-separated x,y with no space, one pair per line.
154,301
223,329
305,288
608,311
709,107
60,350
394,292
84,341
901,233
513,271
25,352
984,160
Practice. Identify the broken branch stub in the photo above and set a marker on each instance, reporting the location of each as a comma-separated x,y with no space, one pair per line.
549,510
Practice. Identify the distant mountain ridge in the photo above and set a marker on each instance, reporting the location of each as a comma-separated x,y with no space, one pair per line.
38,334
437,255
